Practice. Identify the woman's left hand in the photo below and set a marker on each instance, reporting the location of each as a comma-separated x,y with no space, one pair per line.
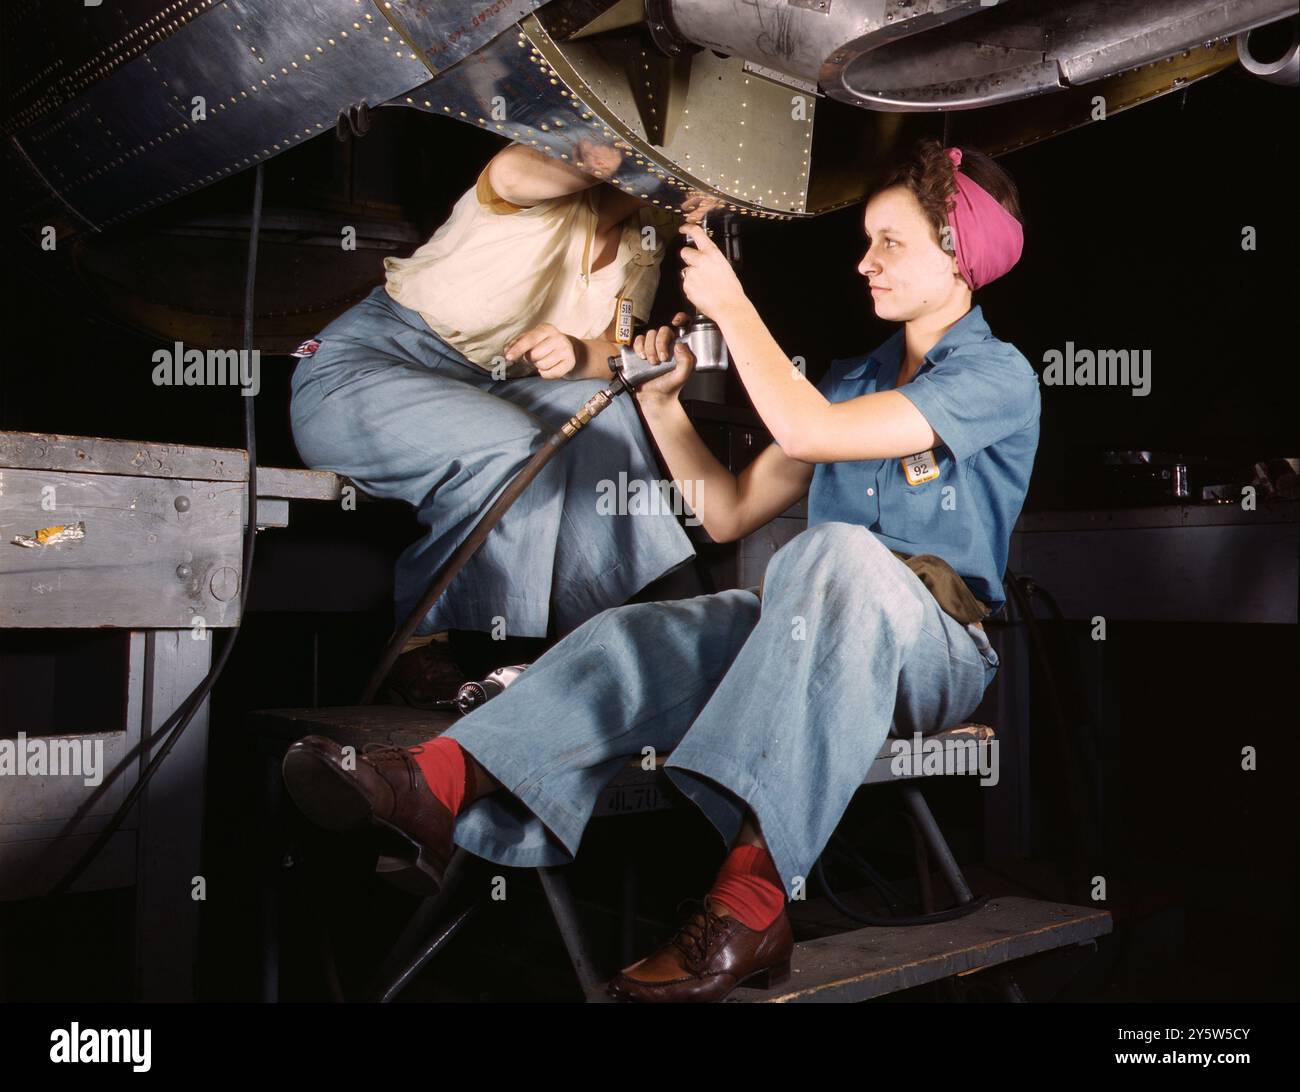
708,279
547,348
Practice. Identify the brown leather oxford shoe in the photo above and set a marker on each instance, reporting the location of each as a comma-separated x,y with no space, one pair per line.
385,790
710,956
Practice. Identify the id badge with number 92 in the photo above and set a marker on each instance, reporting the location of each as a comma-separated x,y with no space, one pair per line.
920,467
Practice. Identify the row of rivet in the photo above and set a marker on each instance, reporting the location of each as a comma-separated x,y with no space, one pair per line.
538,58
246,161
67,89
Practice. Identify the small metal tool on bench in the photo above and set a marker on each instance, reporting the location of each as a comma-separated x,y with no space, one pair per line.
473,694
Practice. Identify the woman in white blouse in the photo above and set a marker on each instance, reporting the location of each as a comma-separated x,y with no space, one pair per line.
440,384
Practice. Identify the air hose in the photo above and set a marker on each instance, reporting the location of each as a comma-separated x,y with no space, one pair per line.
630,373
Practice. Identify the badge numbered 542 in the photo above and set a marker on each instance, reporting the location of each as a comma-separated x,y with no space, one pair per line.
623,323
920,467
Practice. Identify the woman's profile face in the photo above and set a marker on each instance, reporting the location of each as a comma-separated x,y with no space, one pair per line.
908,273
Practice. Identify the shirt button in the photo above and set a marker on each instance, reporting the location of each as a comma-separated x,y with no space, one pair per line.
870,492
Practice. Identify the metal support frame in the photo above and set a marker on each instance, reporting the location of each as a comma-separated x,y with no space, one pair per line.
556,886
936,843
170,832
416,947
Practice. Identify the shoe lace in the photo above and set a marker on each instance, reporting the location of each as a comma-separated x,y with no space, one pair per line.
379,753
697,933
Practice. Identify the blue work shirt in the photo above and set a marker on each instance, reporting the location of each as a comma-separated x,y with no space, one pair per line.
980,395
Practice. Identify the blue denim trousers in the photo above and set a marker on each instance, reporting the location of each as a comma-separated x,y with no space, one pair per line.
778,705
389,404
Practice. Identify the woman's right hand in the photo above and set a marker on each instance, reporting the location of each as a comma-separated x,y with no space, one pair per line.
652,345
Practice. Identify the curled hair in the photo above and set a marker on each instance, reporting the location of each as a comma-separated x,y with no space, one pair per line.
927,173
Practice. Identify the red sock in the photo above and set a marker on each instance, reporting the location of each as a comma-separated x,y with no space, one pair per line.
749,886
443,764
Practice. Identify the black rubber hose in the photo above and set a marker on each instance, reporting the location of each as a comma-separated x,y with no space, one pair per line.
594,405
871,919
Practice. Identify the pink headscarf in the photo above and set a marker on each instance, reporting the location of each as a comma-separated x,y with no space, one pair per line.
987,237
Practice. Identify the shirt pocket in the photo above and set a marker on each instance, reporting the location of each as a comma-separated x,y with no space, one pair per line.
921,507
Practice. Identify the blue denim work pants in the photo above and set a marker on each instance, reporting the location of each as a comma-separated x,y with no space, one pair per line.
387,403
779,706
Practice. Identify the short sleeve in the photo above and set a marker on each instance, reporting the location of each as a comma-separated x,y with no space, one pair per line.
827,383
491,202
490,199
976,396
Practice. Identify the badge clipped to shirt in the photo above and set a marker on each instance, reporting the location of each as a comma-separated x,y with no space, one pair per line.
623,320
920,467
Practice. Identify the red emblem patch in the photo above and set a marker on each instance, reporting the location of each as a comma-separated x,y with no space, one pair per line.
307,348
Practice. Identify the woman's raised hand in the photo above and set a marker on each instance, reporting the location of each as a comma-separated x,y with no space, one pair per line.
708,280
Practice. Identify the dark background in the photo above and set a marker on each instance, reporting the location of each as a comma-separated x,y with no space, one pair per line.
1134,231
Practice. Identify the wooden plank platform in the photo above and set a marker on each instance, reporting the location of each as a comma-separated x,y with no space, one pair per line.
52,453
874,961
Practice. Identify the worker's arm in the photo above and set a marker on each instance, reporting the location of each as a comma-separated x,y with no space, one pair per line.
525,176
884,425
728,507
594,354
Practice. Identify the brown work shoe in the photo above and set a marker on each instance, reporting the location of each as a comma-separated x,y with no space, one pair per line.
385,790
709,957
423,677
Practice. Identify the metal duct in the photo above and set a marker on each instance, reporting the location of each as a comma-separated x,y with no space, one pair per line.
930,55
1257,50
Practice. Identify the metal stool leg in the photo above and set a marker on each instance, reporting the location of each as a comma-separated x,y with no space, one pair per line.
921,859
937,843
430,949
558,895
414,948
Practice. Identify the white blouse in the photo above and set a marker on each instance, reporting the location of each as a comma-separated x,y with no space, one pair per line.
496,269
